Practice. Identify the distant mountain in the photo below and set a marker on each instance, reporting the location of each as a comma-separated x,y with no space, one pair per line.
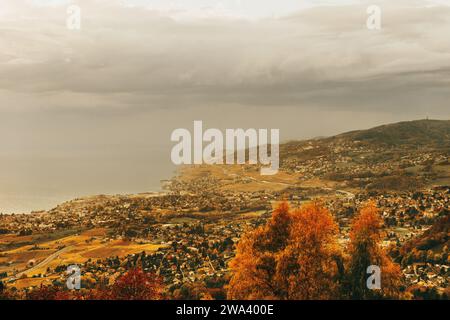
434,133
399,157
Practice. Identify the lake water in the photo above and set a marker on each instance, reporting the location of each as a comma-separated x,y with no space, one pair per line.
40,183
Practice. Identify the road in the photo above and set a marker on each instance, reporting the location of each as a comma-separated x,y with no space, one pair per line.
49,259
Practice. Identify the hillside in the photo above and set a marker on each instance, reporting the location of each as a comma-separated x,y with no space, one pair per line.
399,156
205,210
419,133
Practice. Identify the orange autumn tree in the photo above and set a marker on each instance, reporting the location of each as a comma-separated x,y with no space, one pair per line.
365,250
294,256
136,285
254,267
311,264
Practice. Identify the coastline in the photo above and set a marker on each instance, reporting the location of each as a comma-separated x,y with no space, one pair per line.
11,207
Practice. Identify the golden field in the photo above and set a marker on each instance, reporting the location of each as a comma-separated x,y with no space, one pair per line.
34,259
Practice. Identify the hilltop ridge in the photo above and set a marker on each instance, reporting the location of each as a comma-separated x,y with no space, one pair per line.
417,132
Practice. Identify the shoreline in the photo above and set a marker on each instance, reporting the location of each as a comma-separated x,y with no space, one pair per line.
61,200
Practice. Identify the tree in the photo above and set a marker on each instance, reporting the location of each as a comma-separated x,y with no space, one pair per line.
311,264
43,293
136,285
254,266
365,250
5,293
192,291
292,257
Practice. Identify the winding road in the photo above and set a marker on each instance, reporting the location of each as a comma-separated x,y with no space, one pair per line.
49,259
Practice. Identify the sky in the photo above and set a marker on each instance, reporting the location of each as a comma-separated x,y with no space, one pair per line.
252,9
90,111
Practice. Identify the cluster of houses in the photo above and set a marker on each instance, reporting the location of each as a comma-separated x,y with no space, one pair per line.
194,252
429,275
116,211
406,216
352,160
197,222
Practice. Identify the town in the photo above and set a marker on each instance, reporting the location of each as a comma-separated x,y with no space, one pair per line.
187,234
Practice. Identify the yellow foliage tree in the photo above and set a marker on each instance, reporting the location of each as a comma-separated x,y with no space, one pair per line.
365,250
294,256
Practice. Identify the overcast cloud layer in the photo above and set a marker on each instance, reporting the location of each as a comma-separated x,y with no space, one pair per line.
91,111
136,57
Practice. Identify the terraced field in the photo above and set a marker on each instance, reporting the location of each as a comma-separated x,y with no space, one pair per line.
31,261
